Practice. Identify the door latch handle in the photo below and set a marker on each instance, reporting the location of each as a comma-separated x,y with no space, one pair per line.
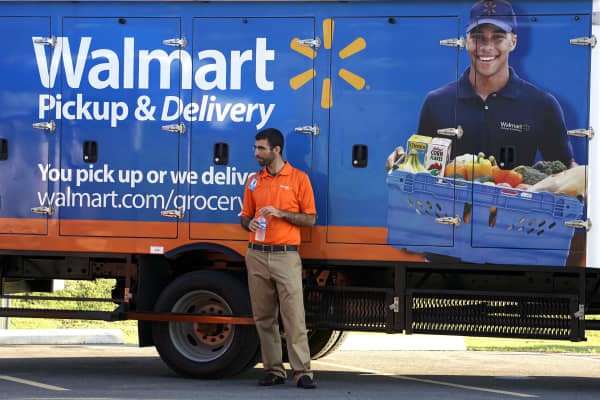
46,126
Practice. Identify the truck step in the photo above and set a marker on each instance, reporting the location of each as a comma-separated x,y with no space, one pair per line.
498,315
349,308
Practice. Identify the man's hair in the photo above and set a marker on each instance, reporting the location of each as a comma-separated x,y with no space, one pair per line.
272,135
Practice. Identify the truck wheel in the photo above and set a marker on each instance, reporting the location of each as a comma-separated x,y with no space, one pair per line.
205,350
324,341
321,342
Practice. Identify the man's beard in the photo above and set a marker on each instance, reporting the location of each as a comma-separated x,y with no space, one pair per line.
264,162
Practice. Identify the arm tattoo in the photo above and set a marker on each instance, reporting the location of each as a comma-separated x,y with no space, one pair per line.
299,219
245,221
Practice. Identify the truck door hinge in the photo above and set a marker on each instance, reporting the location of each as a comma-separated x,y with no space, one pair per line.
395,306
46,126
179,42
175,128
580,313
49,211
46,41
314,43
453,42
449,221
584,41
589,133
578,223
456,132
313,130
178,213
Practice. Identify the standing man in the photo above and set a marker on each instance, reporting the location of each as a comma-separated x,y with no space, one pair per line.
500,113
284,196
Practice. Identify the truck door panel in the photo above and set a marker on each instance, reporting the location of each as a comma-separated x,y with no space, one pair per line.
125,77
262,82
22,184
381,70
544,57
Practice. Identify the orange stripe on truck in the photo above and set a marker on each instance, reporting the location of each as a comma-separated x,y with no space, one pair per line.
320,242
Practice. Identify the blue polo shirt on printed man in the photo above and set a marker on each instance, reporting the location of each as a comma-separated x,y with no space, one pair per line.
512,124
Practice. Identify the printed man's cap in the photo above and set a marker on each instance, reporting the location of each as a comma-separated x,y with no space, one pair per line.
495,12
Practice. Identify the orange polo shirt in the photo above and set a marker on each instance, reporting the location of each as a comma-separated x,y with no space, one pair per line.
289,190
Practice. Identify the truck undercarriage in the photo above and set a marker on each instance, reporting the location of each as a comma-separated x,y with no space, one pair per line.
200,320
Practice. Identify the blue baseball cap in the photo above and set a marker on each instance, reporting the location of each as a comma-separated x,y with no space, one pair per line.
496,12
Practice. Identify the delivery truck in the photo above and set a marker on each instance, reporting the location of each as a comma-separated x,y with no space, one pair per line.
126,134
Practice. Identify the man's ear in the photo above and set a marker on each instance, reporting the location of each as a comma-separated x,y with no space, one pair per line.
514,42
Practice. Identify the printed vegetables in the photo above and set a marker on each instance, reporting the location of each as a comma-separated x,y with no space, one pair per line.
455,168
470,166
508,176
550,167
531,176
485,178
549,176
481,167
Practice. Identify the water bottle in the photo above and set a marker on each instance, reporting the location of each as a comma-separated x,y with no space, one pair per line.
259,235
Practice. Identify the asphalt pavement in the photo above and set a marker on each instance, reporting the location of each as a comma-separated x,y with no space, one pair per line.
107,372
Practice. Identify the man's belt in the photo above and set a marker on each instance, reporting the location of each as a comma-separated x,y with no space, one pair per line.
270,248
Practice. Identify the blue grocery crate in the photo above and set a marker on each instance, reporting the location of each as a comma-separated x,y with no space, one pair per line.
498,225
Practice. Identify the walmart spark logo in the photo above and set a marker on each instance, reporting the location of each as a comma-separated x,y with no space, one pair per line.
489,8
357,82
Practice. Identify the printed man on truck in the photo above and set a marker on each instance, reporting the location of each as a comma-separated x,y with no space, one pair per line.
500,113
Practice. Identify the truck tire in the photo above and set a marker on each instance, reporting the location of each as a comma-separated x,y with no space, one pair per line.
206,351
321,342
324,341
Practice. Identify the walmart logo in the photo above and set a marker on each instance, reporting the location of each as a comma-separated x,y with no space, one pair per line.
489,8
356,46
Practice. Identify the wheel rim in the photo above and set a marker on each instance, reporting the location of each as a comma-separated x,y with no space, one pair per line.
201,342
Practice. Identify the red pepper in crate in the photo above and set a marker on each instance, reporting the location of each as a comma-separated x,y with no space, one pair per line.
506,176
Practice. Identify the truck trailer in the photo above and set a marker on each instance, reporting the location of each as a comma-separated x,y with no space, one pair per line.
126,130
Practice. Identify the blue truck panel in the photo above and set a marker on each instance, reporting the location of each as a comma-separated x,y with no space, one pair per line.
145,100
26,147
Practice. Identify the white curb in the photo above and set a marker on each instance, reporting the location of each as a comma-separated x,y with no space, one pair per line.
61,336
383,341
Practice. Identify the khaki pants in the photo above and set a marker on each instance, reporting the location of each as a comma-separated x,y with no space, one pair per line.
275,283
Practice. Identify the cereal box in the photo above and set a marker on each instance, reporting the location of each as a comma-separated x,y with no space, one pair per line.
419,143
437,156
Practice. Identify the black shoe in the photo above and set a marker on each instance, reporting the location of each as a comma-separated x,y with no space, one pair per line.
271,379
306,382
